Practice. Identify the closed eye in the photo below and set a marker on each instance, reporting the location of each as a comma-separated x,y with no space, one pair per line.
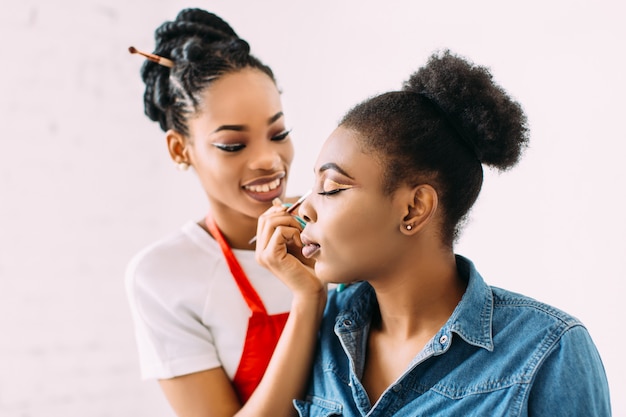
330,187
331,192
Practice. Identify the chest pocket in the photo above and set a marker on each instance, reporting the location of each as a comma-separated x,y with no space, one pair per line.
318,407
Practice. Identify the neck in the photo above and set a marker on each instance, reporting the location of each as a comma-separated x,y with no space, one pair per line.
237,228
420,297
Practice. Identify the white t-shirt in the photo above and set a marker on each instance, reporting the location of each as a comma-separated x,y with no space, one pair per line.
188,312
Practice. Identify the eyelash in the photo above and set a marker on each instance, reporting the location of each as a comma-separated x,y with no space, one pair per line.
331,192
282,136
238,146
229,148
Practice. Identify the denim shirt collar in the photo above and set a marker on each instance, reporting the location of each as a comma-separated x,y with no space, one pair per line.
471,319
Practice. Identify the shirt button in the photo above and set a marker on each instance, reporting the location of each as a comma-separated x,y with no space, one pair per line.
443,339
347,323
397,388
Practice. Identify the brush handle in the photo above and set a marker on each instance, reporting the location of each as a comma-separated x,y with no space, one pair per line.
290,210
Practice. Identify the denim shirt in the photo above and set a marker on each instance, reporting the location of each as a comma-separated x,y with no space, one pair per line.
499,354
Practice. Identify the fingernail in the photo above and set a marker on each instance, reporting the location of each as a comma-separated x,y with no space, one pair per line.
340,287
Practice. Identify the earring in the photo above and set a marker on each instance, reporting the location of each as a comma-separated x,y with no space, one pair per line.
408,227
182,166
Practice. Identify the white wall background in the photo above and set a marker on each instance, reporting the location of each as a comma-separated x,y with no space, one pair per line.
85,180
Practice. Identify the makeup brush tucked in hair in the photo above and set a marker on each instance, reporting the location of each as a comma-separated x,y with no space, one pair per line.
152,57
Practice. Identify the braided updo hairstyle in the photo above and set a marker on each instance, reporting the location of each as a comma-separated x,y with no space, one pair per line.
203,48
448,120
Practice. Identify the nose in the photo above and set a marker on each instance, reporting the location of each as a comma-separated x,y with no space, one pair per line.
306,211
266,158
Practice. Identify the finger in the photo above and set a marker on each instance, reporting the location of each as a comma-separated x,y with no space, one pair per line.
270,220
269,242
289,227
270,212
297,275
274,252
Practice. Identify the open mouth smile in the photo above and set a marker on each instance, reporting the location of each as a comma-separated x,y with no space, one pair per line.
264,188
267,188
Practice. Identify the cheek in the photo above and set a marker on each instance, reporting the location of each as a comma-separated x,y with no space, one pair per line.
358,223
348,235
357,244
288,153
219,174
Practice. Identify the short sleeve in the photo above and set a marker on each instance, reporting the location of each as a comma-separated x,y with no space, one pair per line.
171,337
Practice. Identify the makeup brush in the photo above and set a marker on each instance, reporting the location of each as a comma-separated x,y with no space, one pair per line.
152,57
289,210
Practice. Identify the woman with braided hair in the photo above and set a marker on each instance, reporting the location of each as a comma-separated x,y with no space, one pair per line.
207,316
420,333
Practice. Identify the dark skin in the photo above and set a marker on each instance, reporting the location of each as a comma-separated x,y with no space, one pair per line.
412,271
240,149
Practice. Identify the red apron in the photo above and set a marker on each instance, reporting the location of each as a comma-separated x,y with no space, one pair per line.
263,330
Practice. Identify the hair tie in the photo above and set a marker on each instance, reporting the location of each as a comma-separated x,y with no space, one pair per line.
457,128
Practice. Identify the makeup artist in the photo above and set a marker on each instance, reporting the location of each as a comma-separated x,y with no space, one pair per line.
207,317
419,332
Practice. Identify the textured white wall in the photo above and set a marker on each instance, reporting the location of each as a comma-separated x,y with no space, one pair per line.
85,180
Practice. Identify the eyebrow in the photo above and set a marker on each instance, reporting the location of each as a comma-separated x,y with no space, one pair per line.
334,167
243,128
275,117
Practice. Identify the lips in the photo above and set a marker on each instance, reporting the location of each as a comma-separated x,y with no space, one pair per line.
309,248
265,189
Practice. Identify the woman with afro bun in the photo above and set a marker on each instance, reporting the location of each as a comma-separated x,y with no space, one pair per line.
418,332
207,316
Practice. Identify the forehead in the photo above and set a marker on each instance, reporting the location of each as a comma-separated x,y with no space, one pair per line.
343,149
242,94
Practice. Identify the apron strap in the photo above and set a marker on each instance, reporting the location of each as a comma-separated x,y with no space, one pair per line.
247,291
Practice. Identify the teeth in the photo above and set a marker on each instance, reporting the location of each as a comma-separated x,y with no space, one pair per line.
265,187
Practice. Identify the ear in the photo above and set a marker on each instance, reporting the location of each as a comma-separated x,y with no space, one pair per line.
421,205
177,146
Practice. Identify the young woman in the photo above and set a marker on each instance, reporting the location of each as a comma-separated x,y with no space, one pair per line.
207,316
419,333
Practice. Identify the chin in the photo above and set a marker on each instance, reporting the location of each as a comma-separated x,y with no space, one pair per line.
324,275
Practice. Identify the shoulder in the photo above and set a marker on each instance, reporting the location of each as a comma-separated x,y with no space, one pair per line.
180,256
509,312
513,305
545,347
535,329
